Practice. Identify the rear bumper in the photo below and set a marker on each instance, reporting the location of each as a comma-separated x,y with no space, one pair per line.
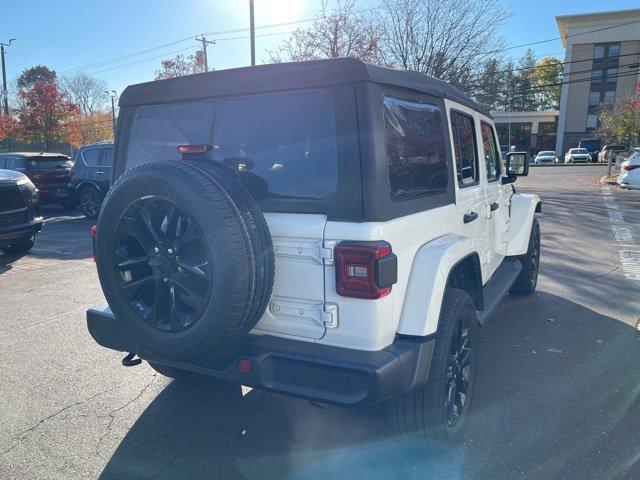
10,233
51,193
302,369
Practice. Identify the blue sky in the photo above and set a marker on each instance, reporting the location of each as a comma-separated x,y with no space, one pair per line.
75,36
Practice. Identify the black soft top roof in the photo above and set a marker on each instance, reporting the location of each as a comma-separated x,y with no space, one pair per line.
286,76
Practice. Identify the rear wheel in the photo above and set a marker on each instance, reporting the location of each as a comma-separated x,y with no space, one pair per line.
440,409
90,201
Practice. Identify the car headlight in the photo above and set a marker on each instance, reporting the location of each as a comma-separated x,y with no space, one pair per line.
23,181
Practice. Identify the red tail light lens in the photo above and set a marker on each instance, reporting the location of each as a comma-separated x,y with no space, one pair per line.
93,231
193,148
365,269
630,167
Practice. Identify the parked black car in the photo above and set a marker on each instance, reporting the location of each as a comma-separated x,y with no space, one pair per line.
20,219
92,176
50,173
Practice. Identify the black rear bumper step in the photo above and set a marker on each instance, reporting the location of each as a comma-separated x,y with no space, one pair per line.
298,368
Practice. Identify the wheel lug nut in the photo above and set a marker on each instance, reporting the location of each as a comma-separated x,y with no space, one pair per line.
165,279
170,251
156,250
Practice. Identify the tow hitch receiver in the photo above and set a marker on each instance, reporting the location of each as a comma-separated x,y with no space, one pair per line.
131,361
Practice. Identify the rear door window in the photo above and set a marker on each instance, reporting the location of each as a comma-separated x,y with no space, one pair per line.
415,144
106,159
465,148
281,145
91,157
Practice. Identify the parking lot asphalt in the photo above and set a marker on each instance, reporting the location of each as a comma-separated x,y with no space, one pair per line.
557,386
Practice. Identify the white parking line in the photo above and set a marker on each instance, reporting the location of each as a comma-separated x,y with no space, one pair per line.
629,259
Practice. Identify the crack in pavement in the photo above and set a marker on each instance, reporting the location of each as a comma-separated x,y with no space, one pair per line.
111,414
600,275
25,433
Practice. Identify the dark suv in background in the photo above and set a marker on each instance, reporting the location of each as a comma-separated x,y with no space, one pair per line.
49,172
92,176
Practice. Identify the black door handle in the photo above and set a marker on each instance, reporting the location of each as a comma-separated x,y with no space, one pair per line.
469,217
494,206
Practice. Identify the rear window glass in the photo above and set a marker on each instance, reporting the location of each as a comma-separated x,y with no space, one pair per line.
282,145
465,149
416,155
91,156
48,162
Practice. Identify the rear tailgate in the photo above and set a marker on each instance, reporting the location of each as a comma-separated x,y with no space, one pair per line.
297,305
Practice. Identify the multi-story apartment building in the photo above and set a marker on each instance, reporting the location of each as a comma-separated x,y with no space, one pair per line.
601,66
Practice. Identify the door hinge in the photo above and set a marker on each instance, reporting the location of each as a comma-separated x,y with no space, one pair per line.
326,252
330,315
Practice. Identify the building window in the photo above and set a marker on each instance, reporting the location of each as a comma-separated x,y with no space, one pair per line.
594,99
609,97
596,77
592,121
612,75
598,52
614,50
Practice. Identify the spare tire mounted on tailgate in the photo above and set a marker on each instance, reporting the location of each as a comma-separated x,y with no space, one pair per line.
185,257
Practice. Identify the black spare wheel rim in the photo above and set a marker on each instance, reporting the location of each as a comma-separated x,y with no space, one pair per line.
163,262
459,371
184,258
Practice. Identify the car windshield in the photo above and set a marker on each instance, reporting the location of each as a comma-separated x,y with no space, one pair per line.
282,145
579,150
546,154
590,144
48,162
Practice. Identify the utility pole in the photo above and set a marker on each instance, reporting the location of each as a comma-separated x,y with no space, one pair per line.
205,42
5,94
252,34
112,94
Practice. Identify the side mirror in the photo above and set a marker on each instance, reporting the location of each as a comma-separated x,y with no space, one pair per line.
516,166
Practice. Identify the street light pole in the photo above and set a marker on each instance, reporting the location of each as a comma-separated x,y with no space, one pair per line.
252,34
112,94
5,96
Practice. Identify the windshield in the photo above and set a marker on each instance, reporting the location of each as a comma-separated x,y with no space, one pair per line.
546,154
282,145
590,144
578,150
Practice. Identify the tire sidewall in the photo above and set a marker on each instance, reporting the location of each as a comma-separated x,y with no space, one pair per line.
463,309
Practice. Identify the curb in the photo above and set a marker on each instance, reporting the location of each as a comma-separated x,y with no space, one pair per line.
608,181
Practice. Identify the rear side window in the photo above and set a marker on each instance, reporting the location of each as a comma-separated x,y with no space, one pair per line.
91,157
416,154
48,162
491,155
465,148
281,145
106,160
14,162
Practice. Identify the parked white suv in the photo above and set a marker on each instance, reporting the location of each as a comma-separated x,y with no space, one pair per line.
329,230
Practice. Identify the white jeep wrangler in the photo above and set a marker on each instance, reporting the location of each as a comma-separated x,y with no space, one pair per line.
329,230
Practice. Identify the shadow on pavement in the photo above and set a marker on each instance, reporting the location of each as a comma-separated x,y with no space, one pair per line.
557,397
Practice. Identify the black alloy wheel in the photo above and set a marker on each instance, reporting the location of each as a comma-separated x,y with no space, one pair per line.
164,267
458,376
90,202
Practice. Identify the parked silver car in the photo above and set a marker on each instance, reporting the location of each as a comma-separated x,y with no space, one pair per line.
546,156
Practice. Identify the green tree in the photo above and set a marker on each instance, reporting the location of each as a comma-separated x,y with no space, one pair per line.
547,78
620,123
30,76
489,85
525,92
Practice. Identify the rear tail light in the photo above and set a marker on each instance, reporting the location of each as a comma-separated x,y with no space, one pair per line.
93,230
365,269
630,167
